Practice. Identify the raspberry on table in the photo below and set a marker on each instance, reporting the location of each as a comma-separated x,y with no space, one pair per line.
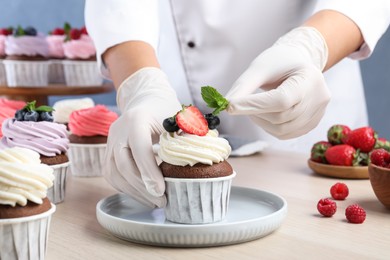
355,214
339,191
326,207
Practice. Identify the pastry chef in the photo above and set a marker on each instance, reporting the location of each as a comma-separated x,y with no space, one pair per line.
281,64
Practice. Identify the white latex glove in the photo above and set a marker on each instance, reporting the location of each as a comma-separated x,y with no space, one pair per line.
145,100
294,94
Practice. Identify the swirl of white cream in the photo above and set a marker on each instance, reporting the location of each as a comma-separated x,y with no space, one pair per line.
186,149
23,177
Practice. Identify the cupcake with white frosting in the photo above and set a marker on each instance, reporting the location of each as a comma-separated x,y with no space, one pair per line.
197,176
25,210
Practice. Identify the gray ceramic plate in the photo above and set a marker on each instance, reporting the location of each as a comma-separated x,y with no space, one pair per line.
252,214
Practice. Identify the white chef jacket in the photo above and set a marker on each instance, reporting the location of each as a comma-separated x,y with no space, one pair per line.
206,42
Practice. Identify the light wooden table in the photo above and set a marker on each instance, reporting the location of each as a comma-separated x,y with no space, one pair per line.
76,234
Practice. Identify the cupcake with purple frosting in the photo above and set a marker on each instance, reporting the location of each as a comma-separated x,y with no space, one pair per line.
26,61
33,128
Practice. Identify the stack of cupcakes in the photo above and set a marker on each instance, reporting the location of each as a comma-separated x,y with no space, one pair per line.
25,210
26,61
33,128
80,65
88,139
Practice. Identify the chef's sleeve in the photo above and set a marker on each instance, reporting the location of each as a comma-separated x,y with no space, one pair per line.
111,22
371,16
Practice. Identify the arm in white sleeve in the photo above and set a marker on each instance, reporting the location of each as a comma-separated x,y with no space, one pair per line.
372,18
116,21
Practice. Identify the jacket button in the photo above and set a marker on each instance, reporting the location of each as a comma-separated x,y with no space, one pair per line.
191,44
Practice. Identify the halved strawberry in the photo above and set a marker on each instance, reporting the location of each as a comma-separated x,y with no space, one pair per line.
192,121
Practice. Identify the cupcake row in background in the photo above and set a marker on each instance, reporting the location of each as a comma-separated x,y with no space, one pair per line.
30,58
72,138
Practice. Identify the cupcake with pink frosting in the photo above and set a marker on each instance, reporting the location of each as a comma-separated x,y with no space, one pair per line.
80,65
33,128
26,63
8,109
88,139
4,32
55,41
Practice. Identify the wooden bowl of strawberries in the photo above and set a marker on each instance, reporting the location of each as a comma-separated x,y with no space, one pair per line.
346,153
379,172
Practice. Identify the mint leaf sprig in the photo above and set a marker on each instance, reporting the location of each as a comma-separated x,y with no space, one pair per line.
30,106
214,99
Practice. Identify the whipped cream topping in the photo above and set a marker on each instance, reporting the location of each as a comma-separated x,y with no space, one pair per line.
63,108
46,138
180,148
23,177
55,44
82,48
27,45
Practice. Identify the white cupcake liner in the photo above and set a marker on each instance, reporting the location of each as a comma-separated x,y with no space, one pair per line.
86,160
82,73
56,193
56,72
25,238
3,75
26,73
197,201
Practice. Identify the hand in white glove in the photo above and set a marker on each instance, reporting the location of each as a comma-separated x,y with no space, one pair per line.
294,95
145,100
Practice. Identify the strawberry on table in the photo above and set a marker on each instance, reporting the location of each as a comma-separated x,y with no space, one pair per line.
192,121
337,133
363,138
318,150
342,155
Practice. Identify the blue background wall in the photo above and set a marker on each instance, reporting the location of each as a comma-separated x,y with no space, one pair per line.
46,14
